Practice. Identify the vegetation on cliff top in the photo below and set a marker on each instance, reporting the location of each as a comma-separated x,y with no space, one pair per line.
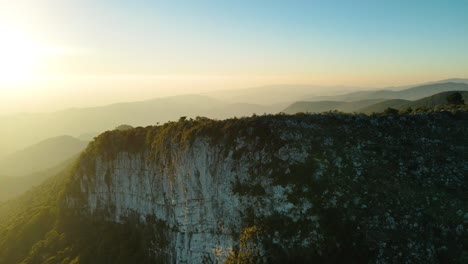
368,204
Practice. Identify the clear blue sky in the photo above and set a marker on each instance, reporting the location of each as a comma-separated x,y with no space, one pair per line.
289,37
252,42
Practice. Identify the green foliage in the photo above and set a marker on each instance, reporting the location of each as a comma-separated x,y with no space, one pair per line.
362,175
28,219
380,184
406,111
36,228
124,127
391,111
455,99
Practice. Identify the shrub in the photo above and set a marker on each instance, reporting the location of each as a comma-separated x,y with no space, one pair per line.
391,111
455,99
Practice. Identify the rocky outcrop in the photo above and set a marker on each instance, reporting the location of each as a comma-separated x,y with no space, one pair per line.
285,188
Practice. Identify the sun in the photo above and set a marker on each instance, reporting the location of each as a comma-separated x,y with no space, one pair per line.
21,56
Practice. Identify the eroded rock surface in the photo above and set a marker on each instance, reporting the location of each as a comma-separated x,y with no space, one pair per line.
286,188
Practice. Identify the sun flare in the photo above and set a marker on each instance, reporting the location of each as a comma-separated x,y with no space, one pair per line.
21,56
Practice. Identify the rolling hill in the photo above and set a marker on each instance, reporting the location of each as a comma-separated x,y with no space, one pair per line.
84,122
427,102
10,187
413,93
16,129
278,94
41,156
324,106
374,101
381,106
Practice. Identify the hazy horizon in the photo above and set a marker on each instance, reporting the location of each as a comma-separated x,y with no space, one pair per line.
57,54
66,101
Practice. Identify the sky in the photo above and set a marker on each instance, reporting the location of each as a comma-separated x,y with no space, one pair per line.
57,54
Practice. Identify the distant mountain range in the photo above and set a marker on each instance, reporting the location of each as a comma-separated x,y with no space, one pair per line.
41,156
17,129
278,94
427,102
413,93
22,130
11,187
377,101
453,80
287,94
324,106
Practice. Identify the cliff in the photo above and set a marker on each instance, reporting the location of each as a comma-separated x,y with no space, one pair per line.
283,188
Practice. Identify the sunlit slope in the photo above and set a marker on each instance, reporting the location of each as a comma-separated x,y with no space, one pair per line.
11,187
19,131
41,156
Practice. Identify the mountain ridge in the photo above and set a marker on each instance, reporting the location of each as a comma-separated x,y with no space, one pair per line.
363,105
285,188
426,102
324,106
78,121
412,93
41,156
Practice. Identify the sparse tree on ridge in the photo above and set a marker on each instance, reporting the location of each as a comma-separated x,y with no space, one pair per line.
455,99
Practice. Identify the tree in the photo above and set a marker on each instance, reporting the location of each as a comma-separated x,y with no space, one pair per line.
455,99
406,111
391,111
123,127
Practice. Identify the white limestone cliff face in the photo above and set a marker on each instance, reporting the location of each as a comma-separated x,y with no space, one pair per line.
317,186
193,195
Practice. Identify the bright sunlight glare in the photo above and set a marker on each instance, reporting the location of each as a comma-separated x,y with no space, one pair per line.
21,56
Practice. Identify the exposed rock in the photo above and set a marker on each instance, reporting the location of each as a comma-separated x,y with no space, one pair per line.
286,188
